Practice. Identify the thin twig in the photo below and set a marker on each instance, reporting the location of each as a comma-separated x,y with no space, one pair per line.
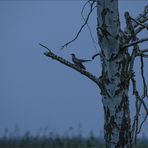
85,23
141,53
139,102
93,57
90,32
142,18
140,127
131,31
45,47
135,42
139,29
139,23
144,50
136,93
145,55
143,78
138,108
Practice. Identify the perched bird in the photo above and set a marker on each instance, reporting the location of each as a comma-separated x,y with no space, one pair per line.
78,62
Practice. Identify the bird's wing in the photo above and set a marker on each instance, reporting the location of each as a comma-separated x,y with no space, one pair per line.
81,66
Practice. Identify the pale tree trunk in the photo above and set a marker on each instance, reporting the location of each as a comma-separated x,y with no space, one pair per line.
114,81
117,70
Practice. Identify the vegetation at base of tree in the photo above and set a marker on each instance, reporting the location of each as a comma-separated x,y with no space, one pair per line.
53,140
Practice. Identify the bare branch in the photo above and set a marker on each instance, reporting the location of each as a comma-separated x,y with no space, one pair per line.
93,57
143,78
145,55
140,21
50,54
144,50
131,31
135,92
144,104
142,123
135,42
141,53
142,18
139,102
139,29
85,23
141,24
136,117
90,32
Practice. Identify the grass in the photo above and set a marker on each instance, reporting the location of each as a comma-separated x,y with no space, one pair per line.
56,141
28,141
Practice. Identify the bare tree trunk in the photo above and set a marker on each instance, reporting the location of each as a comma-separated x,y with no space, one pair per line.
117,70
114,81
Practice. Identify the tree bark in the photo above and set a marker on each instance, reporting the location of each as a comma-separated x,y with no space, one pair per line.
114,81
117,70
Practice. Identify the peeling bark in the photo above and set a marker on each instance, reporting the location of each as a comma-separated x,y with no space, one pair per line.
117,70
115,76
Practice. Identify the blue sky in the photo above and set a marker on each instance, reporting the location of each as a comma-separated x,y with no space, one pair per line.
35,91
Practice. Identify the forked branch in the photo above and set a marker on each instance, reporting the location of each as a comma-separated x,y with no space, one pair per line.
138,24
139,102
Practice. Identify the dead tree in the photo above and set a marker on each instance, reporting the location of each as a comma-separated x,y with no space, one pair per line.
117,70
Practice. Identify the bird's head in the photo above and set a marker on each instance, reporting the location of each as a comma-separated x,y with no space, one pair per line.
73,55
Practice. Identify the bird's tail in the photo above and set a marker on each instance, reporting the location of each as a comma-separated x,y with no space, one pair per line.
85,60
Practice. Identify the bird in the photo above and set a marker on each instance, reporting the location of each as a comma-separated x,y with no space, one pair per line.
78,62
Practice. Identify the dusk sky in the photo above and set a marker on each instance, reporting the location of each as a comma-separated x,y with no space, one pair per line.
37,92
